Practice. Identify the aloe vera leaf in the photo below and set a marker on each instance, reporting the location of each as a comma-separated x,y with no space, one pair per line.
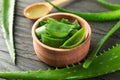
106,63
65,21
7,25
42,22
109,5
75,40
100,16
76,24
40,30
58,29
73,32
50,41
89,60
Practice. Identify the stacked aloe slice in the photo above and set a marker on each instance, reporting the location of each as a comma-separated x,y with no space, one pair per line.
60,34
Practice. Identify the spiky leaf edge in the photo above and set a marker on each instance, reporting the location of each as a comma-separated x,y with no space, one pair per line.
106,63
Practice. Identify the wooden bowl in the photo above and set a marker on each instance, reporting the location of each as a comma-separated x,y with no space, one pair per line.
61,57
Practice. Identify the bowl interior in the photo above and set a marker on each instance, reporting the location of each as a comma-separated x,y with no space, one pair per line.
59,16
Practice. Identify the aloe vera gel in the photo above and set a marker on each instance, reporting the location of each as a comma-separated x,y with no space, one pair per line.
60,34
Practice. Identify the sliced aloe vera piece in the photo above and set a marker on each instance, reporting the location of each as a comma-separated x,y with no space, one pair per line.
76,24
40,30
73,32
58,29
65,21
75,40
53,42
43,22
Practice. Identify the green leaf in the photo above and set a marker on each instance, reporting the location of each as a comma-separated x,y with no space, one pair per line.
106,63
7,25
76,24
73,32
50,41
42,22
99,16
65,21
58,29
89,60
109,5
75,40
40,30
49,20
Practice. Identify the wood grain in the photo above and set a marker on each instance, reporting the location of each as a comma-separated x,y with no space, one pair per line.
26,57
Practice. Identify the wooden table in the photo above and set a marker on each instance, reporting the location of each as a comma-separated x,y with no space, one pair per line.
26,57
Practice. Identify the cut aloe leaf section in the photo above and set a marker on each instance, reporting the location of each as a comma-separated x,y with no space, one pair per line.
75,40
65,21
53,42
76,24
58,29
43,22
40,30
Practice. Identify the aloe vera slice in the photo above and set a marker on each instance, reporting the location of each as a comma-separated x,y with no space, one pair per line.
75,40
53,42
73,32
40,30
42,23
58,29
7,25
65,21
76,24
